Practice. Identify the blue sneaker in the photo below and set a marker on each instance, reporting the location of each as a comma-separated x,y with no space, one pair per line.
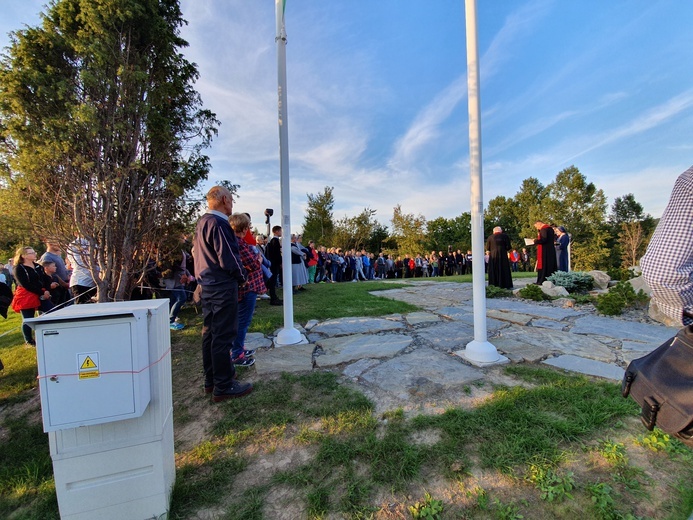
176,326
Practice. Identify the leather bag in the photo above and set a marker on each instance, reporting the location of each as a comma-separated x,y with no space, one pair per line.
662,384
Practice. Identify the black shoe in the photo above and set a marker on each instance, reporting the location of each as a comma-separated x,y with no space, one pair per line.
237,389
276,302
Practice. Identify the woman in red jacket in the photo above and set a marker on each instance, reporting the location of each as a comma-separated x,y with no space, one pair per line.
33,288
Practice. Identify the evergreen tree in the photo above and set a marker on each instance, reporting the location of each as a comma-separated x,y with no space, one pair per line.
101,130
319,222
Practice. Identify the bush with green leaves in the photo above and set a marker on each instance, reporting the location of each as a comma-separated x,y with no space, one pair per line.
619,297
532,292
620,274
574,281
497,292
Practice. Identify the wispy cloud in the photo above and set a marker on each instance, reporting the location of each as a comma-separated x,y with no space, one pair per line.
652,118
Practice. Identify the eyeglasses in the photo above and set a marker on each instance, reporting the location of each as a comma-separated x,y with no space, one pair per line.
30,252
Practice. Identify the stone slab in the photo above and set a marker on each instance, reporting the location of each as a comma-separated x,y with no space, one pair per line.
346,326
417,318
548,324
563,342
621,329
519,351
533,309
355,370
513,317
292,358
587,366
255,340
630,355
346,349
421,373
448,336
466,315
639,346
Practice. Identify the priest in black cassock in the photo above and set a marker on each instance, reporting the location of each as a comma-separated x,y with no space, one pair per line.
498,246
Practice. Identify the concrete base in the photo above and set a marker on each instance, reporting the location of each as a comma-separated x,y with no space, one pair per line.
289,336
482,354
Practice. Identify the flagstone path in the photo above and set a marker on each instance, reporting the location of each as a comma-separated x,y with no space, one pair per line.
411,361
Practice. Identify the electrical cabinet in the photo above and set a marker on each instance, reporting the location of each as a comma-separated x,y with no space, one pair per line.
106,402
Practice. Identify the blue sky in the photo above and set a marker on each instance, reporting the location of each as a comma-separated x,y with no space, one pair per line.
377,100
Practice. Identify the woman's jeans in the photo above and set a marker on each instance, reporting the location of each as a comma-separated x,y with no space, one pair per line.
26,330
177,298
246,307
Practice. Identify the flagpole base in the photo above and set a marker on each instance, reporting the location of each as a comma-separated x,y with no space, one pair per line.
482,354
289,336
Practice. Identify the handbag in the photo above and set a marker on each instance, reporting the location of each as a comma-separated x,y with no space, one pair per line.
25,300
662,384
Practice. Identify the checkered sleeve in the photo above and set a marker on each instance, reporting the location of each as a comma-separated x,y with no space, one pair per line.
668,263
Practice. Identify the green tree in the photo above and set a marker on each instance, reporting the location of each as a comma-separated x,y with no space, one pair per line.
319,221
527,205
578,205
501,212
408,231
442,232
631,230
101,130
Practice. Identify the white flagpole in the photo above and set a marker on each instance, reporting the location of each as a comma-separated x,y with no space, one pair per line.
479,351
289,335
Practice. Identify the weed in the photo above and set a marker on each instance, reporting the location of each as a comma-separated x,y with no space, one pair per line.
552,486
506,511
613,452
428,509
657,440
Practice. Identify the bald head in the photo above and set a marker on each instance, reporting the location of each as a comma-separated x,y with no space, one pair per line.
497,229
219,199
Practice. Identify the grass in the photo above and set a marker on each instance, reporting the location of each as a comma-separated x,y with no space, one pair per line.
563,446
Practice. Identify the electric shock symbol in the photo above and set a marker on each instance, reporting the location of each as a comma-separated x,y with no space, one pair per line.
88,364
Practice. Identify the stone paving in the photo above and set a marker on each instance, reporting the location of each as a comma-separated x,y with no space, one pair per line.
412,357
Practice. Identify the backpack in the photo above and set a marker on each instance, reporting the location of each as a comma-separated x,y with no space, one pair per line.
660,383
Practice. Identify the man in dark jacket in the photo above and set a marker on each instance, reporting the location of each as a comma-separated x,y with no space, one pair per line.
219,271
273,253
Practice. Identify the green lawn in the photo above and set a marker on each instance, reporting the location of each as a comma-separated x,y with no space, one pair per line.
546,445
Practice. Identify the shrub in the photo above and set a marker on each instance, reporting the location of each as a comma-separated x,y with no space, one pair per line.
574,281
532,292
582,298
620,274
619,297
497,292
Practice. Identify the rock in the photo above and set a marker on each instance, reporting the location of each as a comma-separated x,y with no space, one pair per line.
555,291
601,279
640,283
657,315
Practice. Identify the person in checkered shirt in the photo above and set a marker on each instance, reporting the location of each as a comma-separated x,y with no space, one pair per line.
248,293
668,263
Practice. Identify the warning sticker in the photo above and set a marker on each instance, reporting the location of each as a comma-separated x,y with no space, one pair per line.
88,365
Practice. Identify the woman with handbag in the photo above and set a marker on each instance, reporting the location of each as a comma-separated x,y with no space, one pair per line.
31,293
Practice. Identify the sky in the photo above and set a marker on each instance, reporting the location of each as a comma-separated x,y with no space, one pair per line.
377,98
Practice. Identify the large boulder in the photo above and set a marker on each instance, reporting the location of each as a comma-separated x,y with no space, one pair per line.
601,279
640,283
657,315
555,291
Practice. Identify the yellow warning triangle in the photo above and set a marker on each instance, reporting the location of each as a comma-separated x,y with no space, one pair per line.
88,363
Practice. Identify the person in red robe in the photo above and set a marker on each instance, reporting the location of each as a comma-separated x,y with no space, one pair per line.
546,252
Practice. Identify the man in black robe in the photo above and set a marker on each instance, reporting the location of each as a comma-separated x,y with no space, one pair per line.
546,252
498,246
